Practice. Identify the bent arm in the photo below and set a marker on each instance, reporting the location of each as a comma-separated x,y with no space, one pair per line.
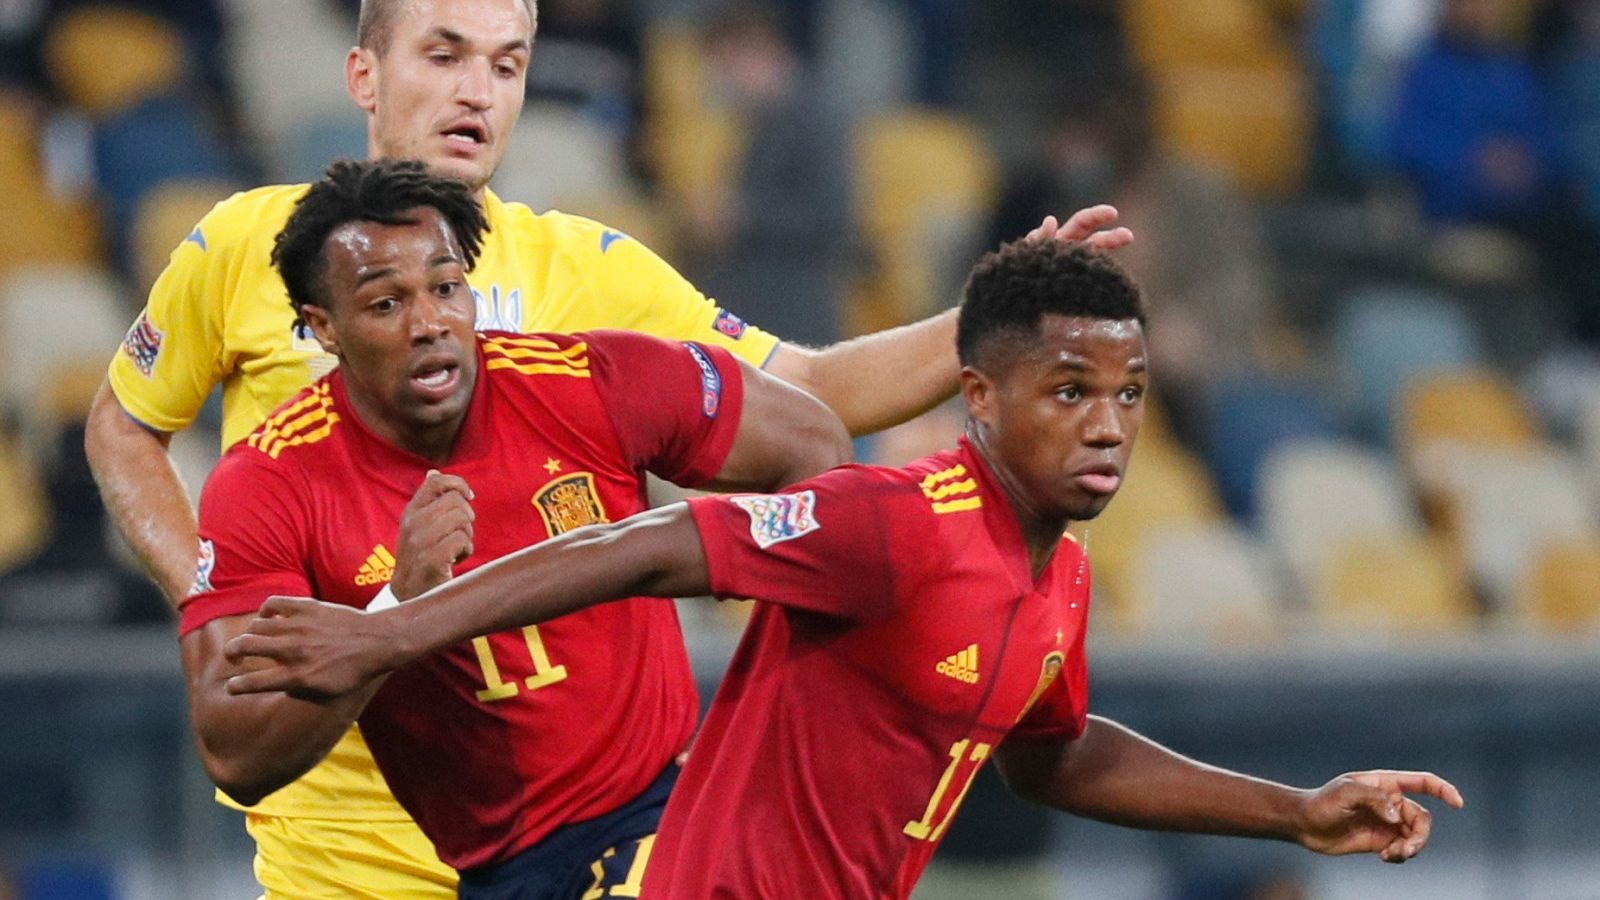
785,435
1115,775
878,380
143,494
252,746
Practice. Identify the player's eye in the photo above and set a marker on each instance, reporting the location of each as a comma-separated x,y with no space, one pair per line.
1071,393
1130,394
383,305
441,59
506,70
447,288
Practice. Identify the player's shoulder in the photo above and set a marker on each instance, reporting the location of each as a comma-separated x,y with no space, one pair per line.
531,360
563,233
247,216
947,485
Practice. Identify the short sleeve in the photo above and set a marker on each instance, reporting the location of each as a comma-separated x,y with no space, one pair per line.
824,545
675,406
650,296
172,356
252,535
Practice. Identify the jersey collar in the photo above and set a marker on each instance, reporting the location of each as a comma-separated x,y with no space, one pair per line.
1000,520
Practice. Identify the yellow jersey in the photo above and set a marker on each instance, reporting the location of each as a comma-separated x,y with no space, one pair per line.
219,314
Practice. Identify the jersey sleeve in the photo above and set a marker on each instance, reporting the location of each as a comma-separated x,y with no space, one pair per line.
650,296
1063,709
252,541
173,354
840,544
675,406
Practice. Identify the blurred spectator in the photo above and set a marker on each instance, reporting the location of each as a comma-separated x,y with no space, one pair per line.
1575,76
587,56
774,243
1198,254
938,29
1473,127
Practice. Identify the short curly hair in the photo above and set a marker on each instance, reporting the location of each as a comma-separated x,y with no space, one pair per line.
1012,288
382,191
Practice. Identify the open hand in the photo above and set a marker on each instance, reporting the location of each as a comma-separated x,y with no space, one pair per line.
435,534
321,650
1095,226
1368,812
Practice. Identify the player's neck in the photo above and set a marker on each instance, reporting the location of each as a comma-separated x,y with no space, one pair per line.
433,442
1041,531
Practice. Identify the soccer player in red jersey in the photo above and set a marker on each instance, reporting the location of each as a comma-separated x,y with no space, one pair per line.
911,624
536,759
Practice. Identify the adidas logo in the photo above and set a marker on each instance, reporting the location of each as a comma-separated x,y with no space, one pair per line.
961,666
378,568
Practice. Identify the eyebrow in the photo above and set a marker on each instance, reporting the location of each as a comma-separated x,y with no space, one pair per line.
374,274
1079,364
451,36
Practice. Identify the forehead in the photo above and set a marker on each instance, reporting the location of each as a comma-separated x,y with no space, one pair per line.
1080,342
359,246
491,21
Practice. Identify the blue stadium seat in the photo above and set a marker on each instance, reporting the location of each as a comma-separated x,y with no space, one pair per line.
1247,418
160,139
313,144
1387,336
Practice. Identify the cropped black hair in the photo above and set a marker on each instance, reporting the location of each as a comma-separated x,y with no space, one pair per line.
1012,288
376,18
381,191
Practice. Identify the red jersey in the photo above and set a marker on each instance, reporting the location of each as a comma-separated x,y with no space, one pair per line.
494,743
903,638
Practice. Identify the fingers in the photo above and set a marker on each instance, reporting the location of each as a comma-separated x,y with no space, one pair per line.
1095,226
260,681
253,644
1413,783
437,484
1111,239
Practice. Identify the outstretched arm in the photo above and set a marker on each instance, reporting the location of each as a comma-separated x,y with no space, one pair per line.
1114,775
323,651
891,376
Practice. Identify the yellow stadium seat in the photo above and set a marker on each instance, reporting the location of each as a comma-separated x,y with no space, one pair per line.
1470,408
1204,580
1415,584
1164,488
25,516
691,144
1561,589
926,182
107,58
1164,34
1251,124
34,225
166,215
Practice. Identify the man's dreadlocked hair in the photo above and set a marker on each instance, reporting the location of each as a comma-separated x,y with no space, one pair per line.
381,191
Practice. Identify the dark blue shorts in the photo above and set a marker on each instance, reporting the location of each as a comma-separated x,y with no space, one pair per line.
603,857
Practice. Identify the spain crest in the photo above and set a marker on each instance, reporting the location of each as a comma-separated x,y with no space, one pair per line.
568,503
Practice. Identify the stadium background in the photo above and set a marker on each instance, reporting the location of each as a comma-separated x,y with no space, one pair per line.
1362,530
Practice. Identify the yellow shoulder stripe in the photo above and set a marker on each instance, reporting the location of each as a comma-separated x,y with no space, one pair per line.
313,419
950,495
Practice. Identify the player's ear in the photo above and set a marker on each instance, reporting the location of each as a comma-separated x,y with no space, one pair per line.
316,319
978,390
361,78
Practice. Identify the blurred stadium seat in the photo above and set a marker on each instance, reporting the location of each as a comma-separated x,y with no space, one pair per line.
691,144
1164,488
308,146
105,58
55,319
25,516
278,91
1505,504
1205,581
926,184
35,226
558,156
1247,418
1392,583
1314,496
1560,589
165,216
1384,337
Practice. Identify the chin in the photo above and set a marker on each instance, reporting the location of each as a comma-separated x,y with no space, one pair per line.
1084,510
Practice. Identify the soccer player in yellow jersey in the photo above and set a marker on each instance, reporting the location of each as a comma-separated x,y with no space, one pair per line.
441,81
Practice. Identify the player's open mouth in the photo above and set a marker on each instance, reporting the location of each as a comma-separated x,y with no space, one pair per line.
436,382
466,135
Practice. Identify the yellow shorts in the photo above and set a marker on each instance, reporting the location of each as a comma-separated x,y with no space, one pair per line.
333,859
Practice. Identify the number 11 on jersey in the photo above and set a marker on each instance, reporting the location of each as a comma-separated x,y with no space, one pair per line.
496,687
924,829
